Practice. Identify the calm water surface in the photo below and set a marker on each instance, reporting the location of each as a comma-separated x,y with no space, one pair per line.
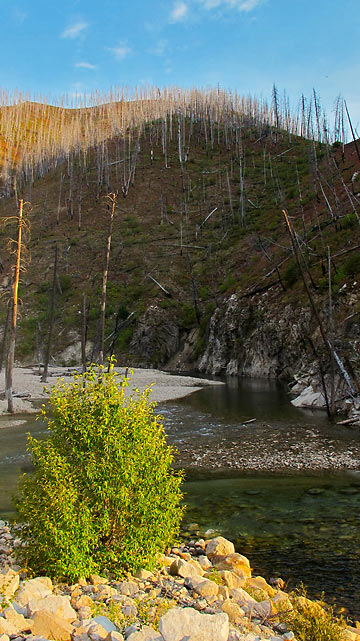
255,483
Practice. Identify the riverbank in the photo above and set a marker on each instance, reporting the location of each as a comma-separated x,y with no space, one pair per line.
202,591
165,386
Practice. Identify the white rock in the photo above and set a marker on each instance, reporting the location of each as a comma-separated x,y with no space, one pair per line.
58,605
146,634
244,599
9,583
144,575
309,398
114,636
219,547
182,568
206,588
128,588
186,623
34,589
204,562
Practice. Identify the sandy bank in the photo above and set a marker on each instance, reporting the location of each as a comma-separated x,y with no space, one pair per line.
165,386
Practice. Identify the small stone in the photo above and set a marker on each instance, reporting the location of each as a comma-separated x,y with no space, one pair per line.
95,579
265,609
223,591
206,588
204,562
105,592
83,601
96,632
128,588
9,583
234,611
219,546
144,575
114,636
4,637
145,634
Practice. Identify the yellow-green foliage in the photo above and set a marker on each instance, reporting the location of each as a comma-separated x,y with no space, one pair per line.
103,496
312,620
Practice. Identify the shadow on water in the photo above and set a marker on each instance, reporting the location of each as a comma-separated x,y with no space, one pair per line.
255,484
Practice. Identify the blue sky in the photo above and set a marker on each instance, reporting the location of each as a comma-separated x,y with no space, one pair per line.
71,46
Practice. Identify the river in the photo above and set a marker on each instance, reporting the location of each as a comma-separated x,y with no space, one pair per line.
285,488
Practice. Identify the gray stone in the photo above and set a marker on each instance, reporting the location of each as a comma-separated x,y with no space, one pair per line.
186,623
106,623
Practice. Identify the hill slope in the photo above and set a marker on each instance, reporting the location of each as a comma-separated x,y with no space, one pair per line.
199,207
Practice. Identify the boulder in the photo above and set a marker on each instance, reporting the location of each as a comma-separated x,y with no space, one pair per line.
204,562
146,634
259,583
219,547
106,623
51,626
9,583
206,588
34,589
186,623
233,610
6,627
4,637
265,609
58,605
234,562
243,599
18,620
232,580
185,569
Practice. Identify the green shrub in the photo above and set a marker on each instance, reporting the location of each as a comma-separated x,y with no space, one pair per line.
312,620
103,497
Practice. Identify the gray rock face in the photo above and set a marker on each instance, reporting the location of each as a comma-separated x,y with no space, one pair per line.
156,338
186,623
255,338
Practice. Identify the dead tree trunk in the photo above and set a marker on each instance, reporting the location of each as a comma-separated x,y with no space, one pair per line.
4,339
11,353
112,198
51,319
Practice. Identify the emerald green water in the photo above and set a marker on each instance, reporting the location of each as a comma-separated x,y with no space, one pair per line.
285,488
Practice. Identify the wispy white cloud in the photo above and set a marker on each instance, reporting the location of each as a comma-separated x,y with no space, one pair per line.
74,30
85,65
241,5
179,12
121,51
160,48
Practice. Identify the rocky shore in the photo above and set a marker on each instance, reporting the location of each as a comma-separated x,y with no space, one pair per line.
200,591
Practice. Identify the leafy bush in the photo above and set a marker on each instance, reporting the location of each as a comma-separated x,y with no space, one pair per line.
312,620
103,496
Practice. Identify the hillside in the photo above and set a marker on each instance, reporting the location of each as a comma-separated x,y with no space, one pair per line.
200,191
